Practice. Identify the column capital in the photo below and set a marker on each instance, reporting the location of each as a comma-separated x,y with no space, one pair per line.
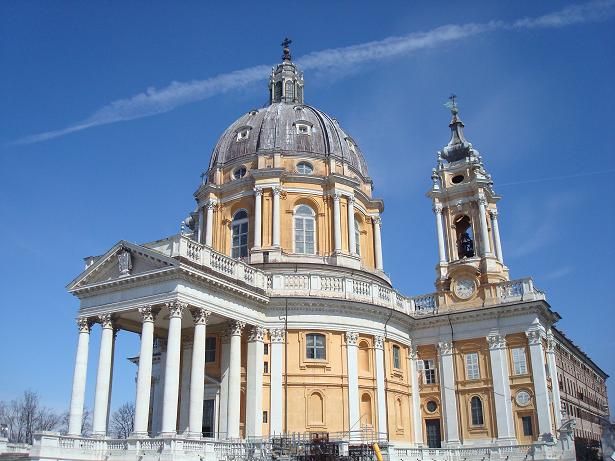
257,334
352,337
258,191
235,327
200,316
550,342
445,348
176,308
277,335
494,214
351,199
276,190
106,321
336,196
482,200
84,324
377,220
437,208
534,336
496,341
413,352
379,342
148,314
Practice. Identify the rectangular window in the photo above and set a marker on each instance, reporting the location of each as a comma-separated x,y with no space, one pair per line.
266,367
396,357
266,349
429,371
472,368
210,349
526,421
519,361
315,346
265,417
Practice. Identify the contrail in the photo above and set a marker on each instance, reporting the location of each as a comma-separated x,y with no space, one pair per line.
157,101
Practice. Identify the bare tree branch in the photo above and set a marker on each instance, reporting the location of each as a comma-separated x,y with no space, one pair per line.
123,421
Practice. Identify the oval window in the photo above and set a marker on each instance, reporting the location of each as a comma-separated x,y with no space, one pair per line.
431,406
457,179
239,172
305,168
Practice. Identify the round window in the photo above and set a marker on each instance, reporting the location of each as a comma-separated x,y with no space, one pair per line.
239,172
523,398
457,179
305,168
431,406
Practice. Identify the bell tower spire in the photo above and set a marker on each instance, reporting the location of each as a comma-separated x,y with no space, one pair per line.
464,203
286,81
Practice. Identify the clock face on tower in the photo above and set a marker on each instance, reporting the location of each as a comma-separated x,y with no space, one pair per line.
464,288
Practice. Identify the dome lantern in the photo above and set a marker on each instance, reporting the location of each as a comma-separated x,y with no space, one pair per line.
286,81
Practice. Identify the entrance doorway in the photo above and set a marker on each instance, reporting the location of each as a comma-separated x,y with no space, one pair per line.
208,418
434,437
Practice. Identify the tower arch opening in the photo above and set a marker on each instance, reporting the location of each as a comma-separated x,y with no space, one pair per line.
464,237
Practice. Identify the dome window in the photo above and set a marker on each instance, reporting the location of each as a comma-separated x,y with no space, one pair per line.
305,168
239,172
303,128
457,179
243,134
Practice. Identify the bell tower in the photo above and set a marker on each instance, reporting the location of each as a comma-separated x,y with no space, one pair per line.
465,207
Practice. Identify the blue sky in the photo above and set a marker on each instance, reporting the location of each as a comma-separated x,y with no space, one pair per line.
98,144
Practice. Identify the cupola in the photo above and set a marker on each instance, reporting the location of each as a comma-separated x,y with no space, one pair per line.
286,81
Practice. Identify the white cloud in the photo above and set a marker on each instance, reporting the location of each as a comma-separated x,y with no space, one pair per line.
156,101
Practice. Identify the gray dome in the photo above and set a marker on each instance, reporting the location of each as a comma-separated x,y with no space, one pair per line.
273,129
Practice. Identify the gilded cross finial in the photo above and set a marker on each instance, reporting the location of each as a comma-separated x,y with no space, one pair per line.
285,49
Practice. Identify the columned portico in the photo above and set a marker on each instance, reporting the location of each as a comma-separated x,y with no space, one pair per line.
225,358
234,380
171,373
380,388
535,337
354,423
449,396
254,383
276,338
498,357
144,374
103,377
378,242
79,377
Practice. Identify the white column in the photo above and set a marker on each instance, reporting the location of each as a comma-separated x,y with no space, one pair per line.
254,383
539,377
276,217
484,232
79,377
234,380
201,225
103,377
440,228
377,242
354,414
276,350
498,357
557,402
380,388
417,419
209,224
225,355
197,373
258,217
144,374
171,372
158,374
352,243
337,224
184,384
449,397
496,235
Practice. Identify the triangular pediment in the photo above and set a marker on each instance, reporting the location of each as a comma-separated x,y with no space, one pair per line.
123,261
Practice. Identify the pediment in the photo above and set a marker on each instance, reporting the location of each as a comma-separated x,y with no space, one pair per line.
123,261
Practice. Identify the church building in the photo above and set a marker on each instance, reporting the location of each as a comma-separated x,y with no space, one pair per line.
269,319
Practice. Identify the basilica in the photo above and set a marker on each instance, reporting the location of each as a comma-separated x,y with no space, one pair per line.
269,323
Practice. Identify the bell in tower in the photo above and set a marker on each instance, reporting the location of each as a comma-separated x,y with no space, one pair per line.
465,205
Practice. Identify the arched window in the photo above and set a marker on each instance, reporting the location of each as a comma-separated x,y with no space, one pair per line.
476,407
399,414
316,410
315,346
305,230
366,410
364,357
290,90
357,237
465,237
305,168
278,92
239,234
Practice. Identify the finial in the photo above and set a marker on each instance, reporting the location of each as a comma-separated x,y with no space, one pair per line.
452,104
286,49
